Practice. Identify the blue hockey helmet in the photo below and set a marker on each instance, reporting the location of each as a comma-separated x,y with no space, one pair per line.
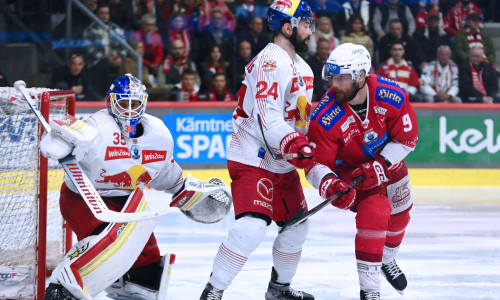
291,10
126,100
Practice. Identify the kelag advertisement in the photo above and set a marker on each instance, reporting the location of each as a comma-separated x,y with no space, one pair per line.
458,140
199,138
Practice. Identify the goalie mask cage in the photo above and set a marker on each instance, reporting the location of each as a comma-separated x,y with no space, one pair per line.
33,235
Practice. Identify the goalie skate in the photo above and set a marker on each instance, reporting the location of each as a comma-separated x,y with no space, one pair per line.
278,291
124,288
394,276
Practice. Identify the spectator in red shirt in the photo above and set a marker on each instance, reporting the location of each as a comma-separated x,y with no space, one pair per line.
458,14
153,43
186,90
217,91
398,69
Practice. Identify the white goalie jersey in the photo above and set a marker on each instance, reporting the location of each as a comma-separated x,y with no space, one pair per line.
280,90
129,163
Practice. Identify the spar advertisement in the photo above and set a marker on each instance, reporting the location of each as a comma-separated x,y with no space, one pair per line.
458,140
200,137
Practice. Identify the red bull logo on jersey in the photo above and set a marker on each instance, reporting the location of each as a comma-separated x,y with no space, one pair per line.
300,113
149,156
391,96
135,177
269,66
113,153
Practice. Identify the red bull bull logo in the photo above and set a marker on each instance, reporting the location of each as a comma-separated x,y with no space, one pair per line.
135,177
287,4
301,113
269,66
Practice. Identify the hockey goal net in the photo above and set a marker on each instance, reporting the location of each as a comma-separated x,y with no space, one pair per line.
33,235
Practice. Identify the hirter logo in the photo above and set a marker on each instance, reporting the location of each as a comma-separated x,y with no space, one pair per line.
149,156
113,153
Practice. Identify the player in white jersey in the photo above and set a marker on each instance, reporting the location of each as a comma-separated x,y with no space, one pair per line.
122,150
278,88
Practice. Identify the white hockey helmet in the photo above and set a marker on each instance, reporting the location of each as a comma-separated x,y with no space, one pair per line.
347,58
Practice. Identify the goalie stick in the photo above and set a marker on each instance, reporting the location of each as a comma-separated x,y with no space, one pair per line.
273,154
82,182
302,215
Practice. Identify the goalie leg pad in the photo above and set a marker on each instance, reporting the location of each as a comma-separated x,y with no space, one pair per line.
204,202
97,261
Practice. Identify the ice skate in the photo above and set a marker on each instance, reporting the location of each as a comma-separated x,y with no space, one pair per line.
278,291
394,276
369,295
211,293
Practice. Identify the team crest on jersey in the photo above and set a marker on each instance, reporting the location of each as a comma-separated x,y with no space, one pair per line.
301,81
380,110
135,152
391,96
370,137
269,66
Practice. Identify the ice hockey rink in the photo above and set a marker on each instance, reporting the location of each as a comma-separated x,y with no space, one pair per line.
451,250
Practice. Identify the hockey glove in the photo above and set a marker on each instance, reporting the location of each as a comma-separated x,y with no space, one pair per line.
330,186
296,142
375,173
77,133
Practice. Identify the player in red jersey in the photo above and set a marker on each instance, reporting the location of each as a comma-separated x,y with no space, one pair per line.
365,125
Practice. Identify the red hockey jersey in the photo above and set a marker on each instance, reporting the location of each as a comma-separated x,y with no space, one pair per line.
342,139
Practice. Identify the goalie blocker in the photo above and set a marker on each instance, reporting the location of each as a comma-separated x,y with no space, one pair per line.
204,202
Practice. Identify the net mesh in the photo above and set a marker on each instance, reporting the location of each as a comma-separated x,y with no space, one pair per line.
19,185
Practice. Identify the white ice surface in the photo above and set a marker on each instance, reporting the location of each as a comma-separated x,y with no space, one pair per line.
451,250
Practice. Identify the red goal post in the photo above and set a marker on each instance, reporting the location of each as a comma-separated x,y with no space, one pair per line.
33,235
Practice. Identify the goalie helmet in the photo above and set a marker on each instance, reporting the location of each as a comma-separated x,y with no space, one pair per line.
204,202
126,100
289,10
347,58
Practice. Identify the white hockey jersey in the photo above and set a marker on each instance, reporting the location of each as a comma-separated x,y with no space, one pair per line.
117,165
280,90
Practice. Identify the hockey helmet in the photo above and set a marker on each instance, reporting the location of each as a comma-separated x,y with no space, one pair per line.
347,58
291,10
126,100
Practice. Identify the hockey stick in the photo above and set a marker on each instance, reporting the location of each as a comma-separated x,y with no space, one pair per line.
273,154
82,182
165,276
302,215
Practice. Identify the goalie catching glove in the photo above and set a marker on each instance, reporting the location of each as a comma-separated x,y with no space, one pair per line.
204,202
375,173
69,135
296,142
330,186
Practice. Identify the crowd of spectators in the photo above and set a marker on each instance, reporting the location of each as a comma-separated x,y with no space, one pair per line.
197,50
